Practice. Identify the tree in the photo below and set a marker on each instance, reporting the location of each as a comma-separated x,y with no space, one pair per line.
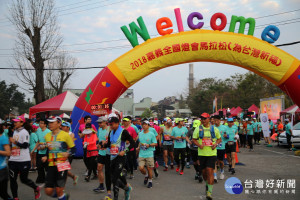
10,98
147,113
37,41
61,69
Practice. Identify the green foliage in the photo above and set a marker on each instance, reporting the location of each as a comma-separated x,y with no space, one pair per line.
10,97
147,113
239,90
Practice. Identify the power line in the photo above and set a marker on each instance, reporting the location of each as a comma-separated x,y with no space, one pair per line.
287,44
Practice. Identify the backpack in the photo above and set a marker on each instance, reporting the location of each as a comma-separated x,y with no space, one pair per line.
212,132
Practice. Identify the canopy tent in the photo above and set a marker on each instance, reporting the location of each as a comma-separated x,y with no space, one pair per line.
291,110
25,115
236,111
253,108
63,102
64,116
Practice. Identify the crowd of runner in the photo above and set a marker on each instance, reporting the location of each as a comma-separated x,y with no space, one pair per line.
118,147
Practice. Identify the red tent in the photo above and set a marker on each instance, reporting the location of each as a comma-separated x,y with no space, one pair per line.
293,107
253,108
63,102
236,111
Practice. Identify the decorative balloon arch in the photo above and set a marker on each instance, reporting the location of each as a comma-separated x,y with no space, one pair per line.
197,45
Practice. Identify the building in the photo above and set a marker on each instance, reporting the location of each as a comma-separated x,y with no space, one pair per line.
139,108
125,103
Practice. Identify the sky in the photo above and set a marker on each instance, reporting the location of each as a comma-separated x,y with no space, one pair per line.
89,25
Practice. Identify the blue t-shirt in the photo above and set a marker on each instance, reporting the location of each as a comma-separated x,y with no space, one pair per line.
250,129
103,135
231,133
222,130
179,132
288,128
3,141
41,136
146,138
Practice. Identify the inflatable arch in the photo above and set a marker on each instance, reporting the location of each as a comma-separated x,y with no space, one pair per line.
241,50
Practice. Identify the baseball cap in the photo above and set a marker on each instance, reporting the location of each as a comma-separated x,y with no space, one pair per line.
19,119
146,122
169,120
196,123
230,119
113,120
205,115
66,124
126,119
102,119
54,119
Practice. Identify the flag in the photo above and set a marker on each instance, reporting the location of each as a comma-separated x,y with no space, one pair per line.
215,105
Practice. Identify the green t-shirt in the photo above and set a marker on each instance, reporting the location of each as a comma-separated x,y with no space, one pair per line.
102,135
288,128
135,128
271,124
146,138
5,132
179,132
32,141
41,136
250,129
207,150
153,131
222,130
255,125
231,131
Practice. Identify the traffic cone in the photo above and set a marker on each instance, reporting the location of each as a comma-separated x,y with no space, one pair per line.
236,158
237,148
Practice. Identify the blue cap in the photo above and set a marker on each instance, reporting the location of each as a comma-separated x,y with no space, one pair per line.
230,120
66,124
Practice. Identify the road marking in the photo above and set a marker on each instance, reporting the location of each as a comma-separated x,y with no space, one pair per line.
282,153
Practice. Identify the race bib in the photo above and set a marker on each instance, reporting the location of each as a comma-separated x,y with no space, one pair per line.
167,137
15,152
114,149
220,145
207,142
143,147
180,140
63,166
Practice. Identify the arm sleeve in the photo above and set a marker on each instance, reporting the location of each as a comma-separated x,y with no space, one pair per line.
196,133
126,136
23,145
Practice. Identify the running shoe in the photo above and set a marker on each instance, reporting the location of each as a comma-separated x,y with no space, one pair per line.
127,193
165,169
197,176
99,189
131,176
37,193
200,179
108,197
222,176
87,179
232,171
75,180
156,173
215,179
177,169
188,165
149,185
146,180
208,196
181,172
172,166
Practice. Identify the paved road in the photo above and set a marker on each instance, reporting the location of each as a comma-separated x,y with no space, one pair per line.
264,163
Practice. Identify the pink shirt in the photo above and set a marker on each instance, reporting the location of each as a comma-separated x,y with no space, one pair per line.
132,133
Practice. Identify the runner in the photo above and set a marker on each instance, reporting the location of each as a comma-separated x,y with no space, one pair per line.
59,147
90,141
147,145
131,154
256,132
271,126
194,150
289,133
116,142
158,138
103,158
19,161
220,148
207,138
32,143
167,146
230,144
179,136
250,132
4,153
42,150
66,126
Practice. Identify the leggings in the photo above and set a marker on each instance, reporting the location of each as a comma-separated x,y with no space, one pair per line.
188,154
21,168
41,168
243,140
107,173
3,184
92,165
131,158
118,179
180,152
250,138
256,137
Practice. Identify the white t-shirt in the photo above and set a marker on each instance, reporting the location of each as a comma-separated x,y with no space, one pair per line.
18,154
